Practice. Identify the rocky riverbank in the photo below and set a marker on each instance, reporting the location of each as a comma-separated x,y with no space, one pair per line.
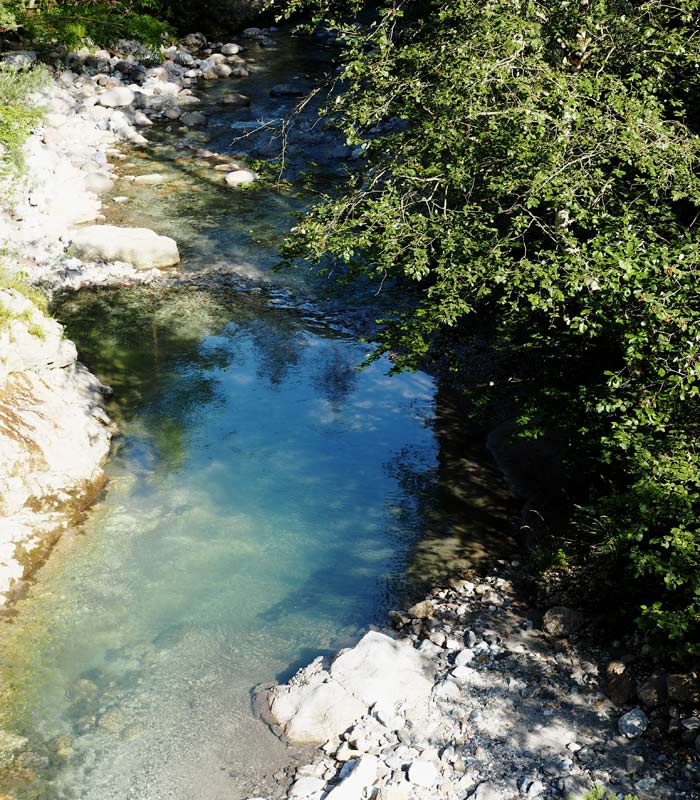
54,436
54,433
97,103
475,695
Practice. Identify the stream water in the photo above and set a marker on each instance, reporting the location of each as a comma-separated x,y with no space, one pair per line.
264,504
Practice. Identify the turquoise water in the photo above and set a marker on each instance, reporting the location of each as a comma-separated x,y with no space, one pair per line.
255,517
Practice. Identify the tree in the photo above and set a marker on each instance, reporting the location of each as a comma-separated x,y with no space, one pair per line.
531,169
77,22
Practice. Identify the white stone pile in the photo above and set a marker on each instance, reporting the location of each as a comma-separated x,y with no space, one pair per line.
468,699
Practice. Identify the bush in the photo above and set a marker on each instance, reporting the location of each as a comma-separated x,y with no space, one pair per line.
95,22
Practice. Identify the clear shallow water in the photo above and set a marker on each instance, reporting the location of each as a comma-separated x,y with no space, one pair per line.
255,517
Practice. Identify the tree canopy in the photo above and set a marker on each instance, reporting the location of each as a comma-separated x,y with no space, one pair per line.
531,172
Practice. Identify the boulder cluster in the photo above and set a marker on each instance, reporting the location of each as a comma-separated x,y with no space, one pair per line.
472,695
96,102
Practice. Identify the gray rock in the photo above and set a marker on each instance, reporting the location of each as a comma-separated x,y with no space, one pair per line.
195,41
19,59
492,598
652,691
184,59
619,686
422,610
684,688
633,723
231,49
562,622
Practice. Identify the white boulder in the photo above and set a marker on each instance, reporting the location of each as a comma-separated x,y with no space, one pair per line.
142,247
423,773
361,778
241,177
98,182
116,98
320,703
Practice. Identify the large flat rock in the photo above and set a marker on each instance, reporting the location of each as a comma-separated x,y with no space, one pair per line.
142,247
320,703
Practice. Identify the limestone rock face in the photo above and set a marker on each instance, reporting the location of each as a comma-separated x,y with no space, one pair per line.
54,433
142,247
320,703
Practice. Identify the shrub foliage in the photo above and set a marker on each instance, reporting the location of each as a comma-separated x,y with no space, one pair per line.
78,22
532,170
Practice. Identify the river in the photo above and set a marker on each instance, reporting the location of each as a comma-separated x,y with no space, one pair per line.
266,502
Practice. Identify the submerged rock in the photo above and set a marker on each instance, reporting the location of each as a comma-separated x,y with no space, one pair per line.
153,179
241,177
142,247
99,182
235,99
288,90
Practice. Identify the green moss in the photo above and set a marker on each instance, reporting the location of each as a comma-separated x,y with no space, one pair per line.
602,794
19,283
